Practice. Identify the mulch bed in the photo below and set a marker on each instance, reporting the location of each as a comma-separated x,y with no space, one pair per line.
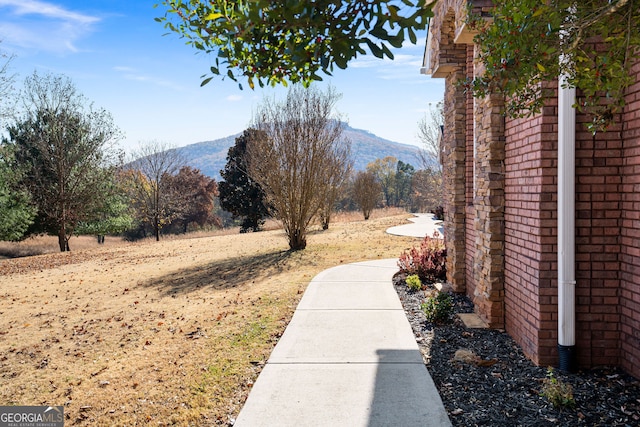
506,391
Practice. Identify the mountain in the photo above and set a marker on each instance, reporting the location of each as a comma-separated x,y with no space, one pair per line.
211,156
367,147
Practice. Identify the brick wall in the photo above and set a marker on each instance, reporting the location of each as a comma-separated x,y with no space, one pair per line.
607,238
598,219
630,233
501,214
530,234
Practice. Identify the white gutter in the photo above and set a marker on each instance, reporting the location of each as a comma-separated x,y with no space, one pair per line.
566,225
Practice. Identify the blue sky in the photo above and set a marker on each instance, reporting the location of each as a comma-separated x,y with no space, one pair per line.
117,56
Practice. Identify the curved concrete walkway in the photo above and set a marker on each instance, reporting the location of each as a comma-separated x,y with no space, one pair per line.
422,225
347,358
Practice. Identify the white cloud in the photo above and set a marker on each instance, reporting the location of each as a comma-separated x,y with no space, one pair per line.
408,52
34,7
234,98
404,67
33,24
129,73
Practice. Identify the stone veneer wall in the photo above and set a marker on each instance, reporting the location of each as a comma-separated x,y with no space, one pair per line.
450,62
470,213
489,210
473,252
453,161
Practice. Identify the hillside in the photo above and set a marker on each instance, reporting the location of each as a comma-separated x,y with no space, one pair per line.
211,156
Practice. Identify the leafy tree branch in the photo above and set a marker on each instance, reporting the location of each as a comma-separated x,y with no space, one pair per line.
275,42
528,43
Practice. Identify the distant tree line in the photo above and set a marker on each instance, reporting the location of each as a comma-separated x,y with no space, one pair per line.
386,182
394,183
61,173
294,166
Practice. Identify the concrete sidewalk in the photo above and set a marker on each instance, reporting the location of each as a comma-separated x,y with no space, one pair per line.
347,358
424,224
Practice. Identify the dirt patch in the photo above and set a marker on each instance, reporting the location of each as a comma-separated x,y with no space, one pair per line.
167,333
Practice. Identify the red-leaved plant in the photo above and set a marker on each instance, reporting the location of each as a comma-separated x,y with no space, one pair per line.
428,261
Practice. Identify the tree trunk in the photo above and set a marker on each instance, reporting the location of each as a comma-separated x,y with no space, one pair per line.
297,240
325,220
156,229
63,242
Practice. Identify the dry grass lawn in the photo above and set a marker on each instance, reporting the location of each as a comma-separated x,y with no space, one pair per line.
168,333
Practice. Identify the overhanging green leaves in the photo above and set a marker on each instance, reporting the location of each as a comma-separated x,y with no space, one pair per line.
274,42
531,42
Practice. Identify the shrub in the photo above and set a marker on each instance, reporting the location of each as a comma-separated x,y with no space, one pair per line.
438,307
559,393
428,261
438,213
413,282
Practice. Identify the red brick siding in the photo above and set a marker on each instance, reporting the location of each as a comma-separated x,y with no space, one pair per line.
530,234
630,234
607,218
598,220
607,238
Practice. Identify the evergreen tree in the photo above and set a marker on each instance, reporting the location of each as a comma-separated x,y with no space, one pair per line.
239,194
16,211
66,149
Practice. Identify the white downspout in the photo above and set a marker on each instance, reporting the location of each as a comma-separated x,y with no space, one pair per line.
566,225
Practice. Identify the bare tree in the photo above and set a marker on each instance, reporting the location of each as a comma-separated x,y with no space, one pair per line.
337,172
427,190
385,172
150,184
7,81
430,130
296,160
68,152
366,192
